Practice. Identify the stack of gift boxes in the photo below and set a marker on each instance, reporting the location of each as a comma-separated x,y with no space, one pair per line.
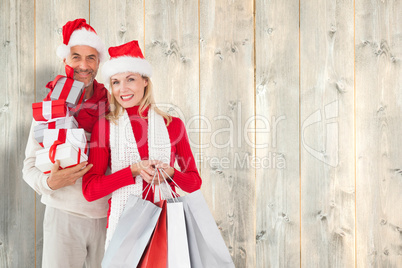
57,132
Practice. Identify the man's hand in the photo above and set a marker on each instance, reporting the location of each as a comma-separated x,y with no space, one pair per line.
66,177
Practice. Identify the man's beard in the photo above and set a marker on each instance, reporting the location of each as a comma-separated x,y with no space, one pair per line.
93,74
90,82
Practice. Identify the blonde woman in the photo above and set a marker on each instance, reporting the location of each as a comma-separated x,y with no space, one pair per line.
135,138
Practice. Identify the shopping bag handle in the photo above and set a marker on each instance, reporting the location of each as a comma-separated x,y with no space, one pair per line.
170,178
150,186
165,176
173,194
161,194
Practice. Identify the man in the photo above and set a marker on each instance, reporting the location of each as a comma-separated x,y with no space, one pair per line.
73,229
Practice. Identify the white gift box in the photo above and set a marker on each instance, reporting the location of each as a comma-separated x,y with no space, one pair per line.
66,153
74,93
59,123
76,137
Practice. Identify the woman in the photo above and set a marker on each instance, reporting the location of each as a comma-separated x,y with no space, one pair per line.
135,139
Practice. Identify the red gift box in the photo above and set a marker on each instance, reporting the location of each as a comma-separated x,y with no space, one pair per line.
46,110
66,153
58,123
76,137
66,88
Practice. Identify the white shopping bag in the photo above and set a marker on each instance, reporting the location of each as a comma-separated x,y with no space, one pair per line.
178,254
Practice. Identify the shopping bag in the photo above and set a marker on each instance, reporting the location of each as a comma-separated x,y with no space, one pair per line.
155,254
178,253
206,245
132,234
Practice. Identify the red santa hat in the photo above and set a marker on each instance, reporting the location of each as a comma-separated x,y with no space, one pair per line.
126,58
78,32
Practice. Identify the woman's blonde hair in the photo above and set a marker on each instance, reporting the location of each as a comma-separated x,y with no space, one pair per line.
148,100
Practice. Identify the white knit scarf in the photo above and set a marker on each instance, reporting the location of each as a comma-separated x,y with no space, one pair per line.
124,153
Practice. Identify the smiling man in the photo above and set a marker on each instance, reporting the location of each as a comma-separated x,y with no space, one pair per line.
85,61
73,229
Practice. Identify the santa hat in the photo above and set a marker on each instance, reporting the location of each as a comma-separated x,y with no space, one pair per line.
78,32
126,58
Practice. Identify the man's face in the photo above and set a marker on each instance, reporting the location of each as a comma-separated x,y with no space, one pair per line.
85,62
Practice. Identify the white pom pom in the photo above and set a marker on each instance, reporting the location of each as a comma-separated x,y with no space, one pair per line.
63,51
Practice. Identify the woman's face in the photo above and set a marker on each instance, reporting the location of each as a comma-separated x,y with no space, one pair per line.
128,88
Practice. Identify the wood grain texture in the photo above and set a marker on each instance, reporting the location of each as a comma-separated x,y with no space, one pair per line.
50,18
118,22
327,136
227,102
277,138
257,209
171,37
17,210
379,107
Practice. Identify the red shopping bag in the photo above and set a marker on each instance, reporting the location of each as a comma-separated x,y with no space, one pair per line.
155,255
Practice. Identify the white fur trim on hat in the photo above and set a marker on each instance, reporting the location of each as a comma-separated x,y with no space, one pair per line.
125,64
83,37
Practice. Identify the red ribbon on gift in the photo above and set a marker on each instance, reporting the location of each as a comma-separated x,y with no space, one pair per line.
66,89
80,101
61,138
67,85
46,110
51,125
62,135
69,72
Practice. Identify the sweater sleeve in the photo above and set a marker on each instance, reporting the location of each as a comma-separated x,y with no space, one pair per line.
188,177
31,174
95,184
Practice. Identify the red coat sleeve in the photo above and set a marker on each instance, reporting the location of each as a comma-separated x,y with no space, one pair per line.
95,184
188,177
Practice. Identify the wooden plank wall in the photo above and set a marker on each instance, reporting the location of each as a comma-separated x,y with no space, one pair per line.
327,134
226,101
292,110
277,144
378,132
17,74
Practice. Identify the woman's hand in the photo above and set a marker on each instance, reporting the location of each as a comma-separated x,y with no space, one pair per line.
148,172
147,165
168,169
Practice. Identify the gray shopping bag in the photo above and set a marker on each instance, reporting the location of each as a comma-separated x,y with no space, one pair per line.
132,234
206,245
